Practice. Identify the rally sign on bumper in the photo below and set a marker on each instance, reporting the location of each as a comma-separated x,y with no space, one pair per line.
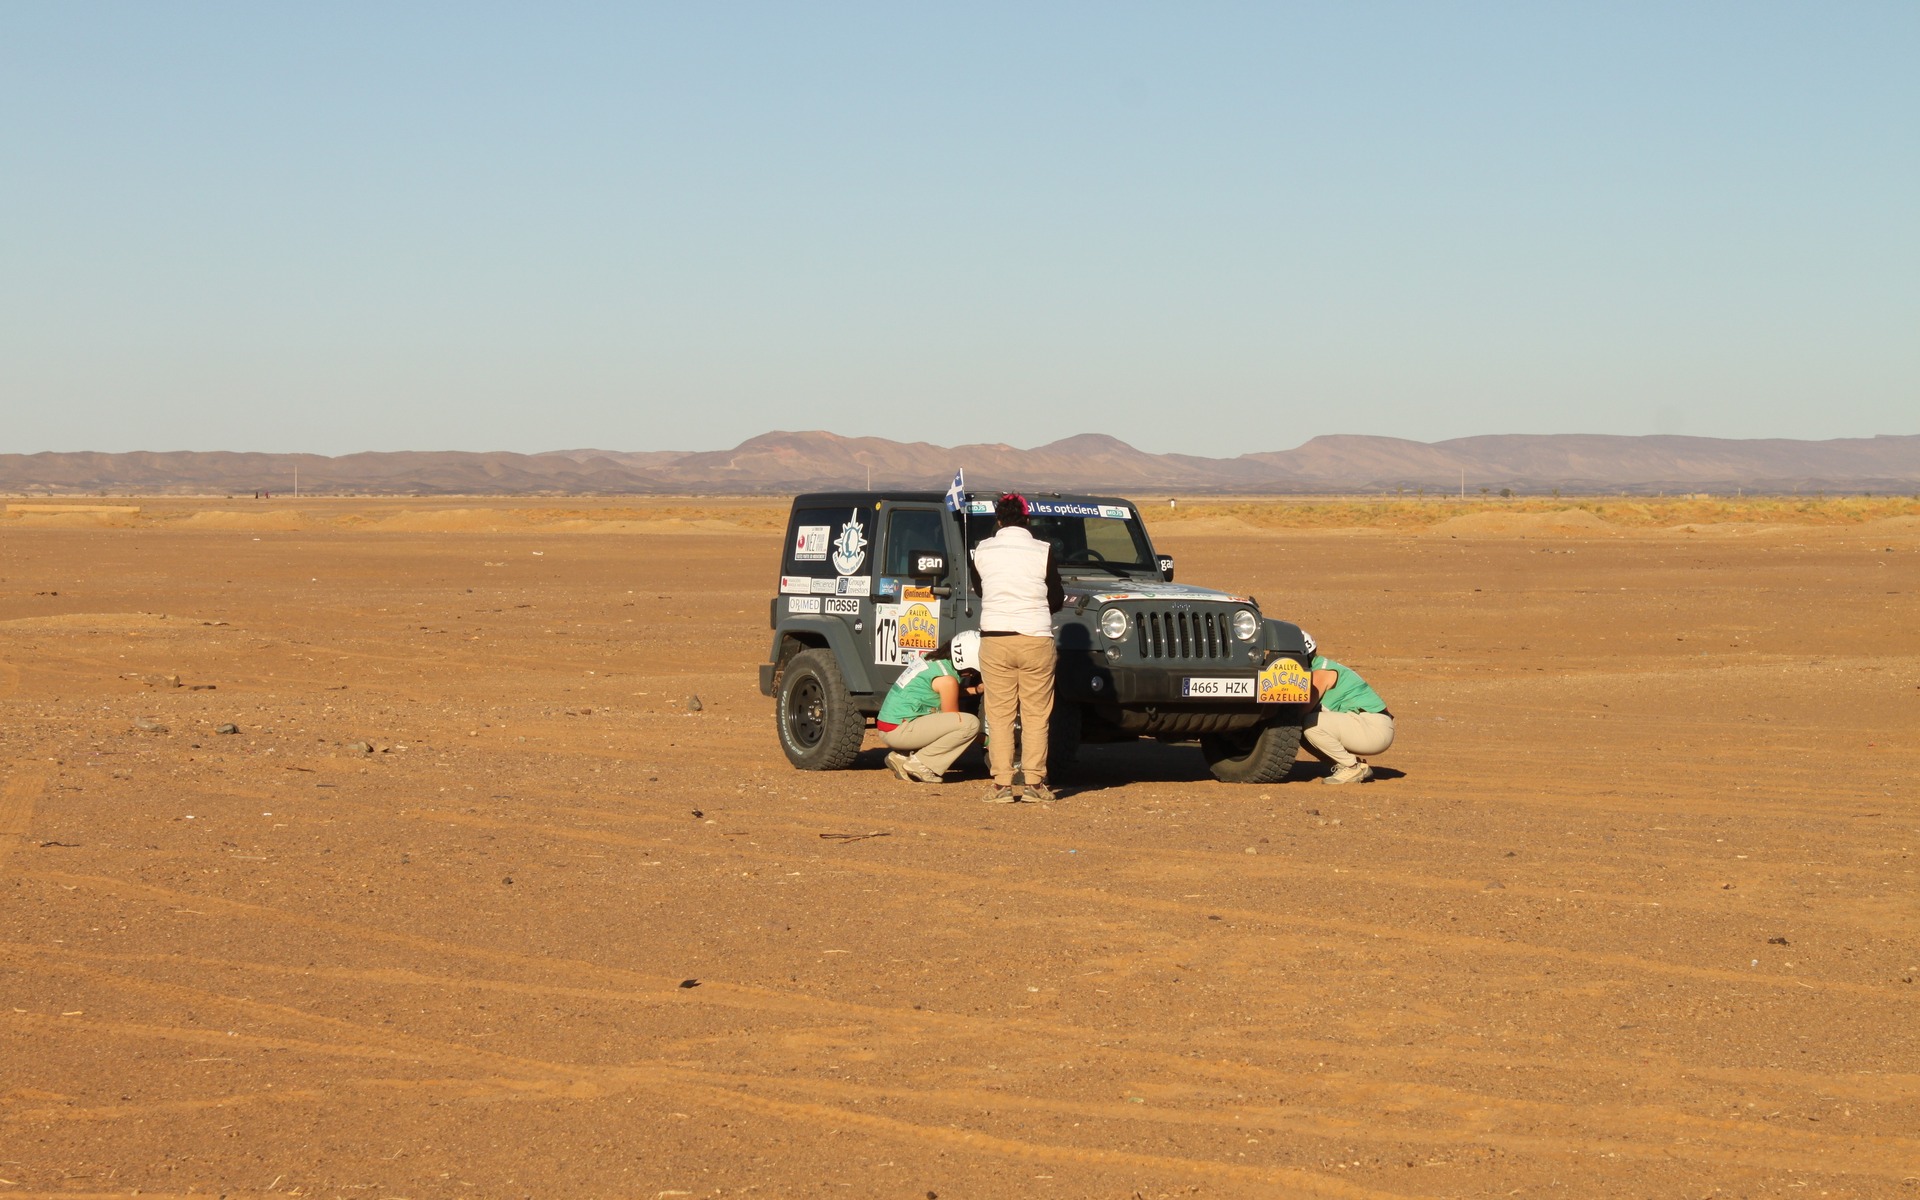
1284,681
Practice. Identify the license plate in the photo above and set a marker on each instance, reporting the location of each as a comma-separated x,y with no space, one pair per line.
1216,687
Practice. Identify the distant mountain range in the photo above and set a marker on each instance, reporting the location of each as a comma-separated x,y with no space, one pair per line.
789,462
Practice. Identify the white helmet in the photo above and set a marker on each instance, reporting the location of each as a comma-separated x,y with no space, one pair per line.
966,651
1308,639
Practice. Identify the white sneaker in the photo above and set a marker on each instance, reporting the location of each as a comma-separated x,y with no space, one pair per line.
921,771
1357,773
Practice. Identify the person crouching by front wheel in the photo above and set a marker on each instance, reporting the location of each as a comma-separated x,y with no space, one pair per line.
921,713
1020,591
1349,721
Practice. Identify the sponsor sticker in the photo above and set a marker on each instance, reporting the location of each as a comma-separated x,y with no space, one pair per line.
1284,681
810,543
980,507
850,548
888,588
887,650
795,585
929,564
923,594
823,587
1064,508
1113,512
853,585
803,604
919,627
841,606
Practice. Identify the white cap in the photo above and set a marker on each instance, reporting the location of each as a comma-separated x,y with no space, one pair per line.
966,650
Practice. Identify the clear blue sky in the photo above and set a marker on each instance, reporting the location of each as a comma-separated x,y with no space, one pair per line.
1205,228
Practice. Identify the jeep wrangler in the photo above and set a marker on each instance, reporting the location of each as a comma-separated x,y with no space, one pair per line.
870,579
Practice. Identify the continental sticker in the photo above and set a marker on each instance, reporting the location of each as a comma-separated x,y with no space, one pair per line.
803,604
919,627
1285,681
922,594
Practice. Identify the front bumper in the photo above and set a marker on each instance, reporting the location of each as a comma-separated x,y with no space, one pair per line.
1090,677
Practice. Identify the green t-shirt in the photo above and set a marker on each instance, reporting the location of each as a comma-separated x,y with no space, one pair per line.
912,694
1349,692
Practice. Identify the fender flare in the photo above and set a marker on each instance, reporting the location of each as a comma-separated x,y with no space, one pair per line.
834,634
1283,637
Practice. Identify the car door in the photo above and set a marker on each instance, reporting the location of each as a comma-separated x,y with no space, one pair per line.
911,616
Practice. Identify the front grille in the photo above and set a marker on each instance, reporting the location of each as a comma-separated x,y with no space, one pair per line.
1169,633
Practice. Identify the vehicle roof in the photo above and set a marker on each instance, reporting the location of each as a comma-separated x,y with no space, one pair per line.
830,499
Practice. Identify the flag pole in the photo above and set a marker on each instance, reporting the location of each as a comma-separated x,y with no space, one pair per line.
966,557
957,501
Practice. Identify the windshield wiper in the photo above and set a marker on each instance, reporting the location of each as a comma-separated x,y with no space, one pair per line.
1119,570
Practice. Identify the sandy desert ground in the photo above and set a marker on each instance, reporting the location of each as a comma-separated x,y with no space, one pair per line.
1633,913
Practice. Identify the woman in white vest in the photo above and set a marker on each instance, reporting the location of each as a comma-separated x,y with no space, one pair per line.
1020,591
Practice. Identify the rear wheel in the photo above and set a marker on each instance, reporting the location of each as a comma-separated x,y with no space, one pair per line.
1262,755
820,729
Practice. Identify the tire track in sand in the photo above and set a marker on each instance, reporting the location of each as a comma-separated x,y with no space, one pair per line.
17,800
1623,1132
1454,1117
1860,1088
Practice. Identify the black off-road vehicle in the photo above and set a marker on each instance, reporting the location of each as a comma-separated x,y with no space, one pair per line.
869,579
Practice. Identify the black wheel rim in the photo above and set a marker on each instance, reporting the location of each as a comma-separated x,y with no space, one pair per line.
807,712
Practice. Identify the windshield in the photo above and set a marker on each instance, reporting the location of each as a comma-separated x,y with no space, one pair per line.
1085,536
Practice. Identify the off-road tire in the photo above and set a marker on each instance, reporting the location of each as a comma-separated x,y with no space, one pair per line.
820,729
1262,755
1063,739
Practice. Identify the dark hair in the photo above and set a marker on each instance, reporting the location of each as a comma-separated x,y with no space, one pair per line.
1012,510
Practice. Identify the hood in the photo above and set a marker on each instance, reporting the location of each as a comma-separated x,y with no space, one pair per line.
1148,589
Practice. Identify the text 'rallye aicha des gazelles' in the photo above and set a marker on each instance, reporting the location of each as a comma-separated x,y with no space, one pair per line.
870,579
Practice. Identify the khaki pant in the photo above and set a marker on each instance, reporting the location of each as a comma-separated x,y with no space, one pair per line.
1342,736
935,739
1016,672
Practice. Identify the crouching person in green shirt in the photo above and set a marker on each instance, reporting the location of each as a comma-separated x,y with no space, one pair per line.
921,713
1349,720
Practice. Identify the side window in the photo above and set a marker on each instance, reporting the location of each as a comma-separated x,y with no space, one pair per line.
911,531
823,541
1112,541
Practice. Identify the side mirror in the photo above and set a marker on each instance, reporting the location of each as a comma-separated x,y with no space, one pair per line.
1166,567
929,565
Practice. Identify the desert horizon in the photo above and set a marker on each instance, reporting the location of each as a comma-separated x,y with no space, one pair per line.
786,462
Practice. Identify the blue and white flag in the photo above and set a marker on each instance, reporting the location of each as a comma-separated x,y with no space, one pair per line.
957,494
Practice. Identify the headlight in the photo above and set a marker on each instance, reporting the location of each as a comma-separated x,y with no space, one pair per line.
1245,625
1113,623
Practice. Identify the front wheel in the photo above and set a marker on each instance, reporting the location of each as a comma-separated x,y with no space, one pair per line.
1063,739
1262,755
820,729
